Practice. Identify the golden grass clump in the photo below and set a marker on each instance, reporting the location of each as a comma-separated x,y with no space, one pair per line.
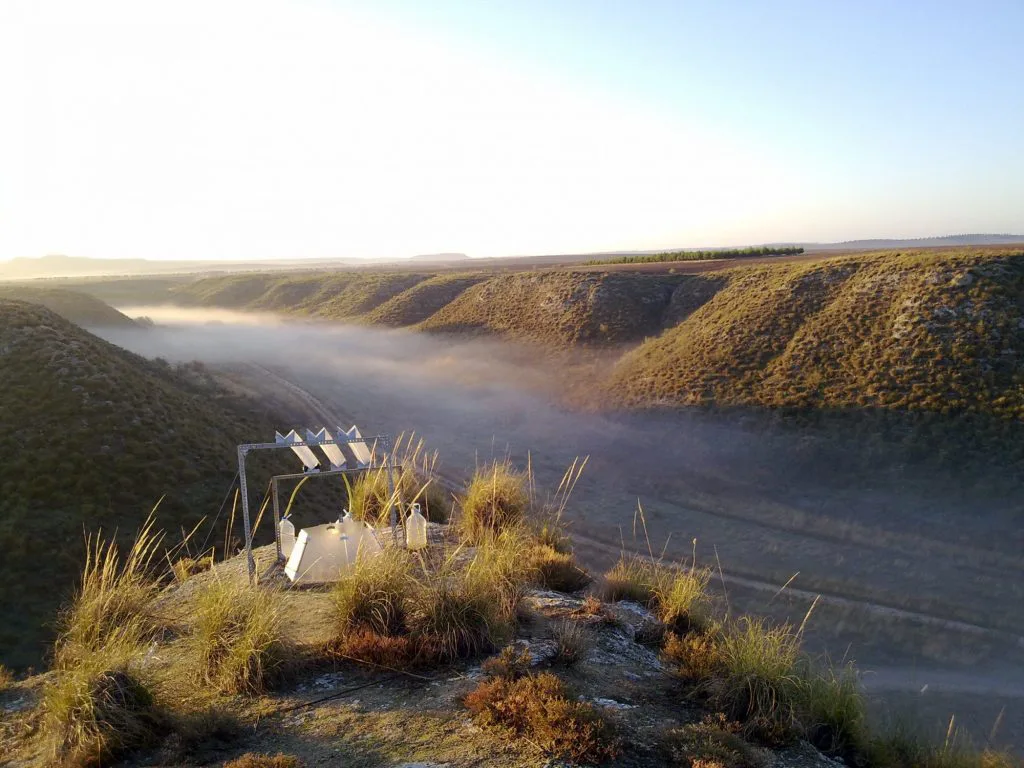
695,656
185,567
410,479
677,595
759,682
374,594
901,746
496,498
472,609
114,595
538,707
6,678
237,637
556,570
97,708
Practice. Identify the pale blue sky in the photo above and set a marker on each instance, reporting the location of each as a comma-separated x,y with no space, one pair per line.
229,129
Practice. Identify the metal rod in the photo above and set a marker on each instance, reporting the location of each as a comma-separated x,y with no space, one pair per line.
385,443
277,519
243,485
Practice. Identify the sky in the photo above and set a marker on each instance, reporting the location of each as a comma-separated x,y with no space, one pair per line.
271,129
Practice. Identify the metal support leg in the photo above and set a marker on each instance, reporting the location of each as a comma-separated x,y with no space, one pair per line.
392,512
277,520
245,515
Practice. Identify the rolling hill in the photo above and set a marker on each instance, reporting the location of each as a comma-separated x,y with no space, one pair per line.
922,347
78,307
93,436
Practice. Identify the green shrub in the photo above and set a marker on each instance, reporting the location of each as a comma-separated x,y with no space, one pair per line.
832,710
759,683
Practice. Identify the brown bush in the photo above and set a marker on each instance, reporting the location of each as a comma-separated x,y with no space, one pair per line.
513,662
695,656
389,651
538,708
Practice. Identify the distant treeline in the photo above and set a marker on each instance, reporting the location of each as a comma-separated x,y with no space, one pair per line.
725,253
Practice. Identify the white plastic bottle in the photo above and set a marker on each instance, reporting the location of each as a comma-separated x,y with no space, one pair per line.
415,529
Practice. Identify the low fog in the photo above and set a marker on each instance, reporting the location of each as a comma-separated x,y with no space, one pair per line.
895,566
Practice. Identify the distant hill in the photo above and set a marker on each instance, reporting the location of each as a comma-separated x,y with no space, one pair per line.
920,242
438,257
92,436
80,308
925,348
25,268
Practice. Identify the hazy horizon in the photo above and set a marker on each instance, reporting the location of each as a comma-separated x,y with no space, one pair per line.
322,129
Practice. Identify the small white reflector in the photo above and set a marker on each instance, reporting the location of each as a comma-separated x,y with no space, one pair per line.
303,451
332,452
359,449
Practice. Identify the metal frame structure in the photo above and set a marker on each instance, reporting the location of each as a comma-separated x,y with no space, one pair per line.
375,441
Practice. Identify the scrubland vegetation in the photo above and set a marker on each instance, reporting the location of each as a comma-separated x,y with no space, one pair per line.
138,665
94,436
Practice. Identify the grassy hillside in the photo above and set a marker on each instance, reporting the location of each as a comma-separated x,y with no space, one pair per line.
336,296
80,308
423,299
919,346
92,436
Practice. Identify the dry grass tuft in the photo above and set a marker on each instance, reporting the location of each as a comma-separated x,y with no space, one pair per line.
374,594
253,760
97,708
593,606
6,678
237,639
496,498
538,708
572,641
372,494
678,595
759,683
832,711
115,596
185,567
557,570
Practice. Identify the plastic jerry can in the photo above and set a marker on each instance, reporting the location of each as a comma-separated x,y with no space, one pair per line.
416,529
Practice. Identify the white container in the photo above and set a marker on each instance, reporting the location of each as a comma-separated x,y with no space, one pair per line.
415,529
286,532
